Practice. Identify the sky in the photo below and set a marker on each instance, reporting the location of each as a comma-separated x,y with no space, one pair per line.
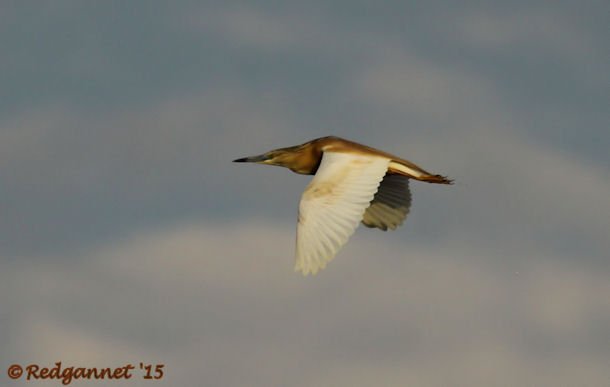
127,235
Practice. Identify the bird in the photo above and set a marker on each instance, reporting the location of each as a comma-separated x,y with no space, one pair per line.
352,184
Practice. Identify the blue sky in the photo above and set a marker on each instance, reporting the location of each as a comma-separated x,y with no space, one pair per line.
127,233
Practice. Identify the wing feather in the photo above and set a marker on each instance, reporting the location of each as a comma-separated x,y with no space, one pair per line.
333,205
391,204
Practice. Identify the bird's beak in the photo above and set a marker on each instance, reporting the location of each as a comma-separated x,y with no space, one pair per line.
252,159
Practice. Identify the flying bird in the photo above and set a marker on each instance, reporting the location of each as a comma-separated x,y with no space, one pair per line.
353,183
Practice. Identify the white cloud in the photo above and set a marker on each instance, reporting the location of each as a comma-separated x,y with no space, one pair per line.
219,302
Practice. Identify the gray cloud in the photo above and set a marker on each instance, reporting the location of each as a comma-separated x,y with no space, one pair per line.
61,164
540,28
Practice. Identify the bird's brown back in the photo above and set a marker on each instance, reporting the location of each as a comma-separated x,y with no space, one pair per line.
337,144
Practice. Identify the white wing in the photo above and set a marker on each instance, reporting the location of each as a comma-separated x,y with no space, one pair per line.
333,204
391,204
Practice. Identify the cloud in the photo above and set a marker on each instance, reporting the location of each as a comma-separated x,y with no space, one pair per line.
555,39
303,33
220,303
249,27
410,85
84,167
187,131
541,28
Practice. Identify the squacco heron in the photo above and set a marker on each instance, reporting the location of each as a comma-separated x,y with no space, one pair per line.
353,183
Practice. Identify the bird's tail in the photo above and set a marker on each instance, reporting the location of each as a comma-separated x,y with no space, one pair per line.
407,168
436,179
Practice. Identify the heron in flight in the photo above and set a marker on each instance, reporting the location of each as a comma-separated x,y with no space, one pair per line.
353,183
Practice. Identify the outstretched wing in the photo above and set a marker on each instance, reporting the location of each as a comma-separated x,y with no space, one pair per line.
333,204
391,204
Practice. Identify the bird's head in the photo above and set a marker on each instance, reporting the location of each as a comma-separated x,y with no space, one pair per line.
294,158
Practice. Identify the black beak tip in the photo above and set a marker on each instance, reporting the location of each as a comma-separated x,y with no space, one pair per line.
241,160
